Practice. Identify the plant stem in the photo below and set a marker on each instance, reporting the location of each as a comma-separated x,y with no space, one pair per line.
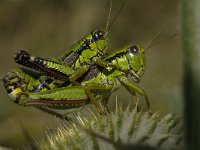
191,52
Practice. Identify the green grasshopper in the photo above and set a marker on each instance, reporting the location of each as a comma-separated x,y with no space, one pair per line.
98,83
74,63
71,66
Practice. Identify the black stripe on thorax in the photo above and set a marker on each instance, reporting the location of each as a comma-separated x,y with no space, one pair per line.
71,59
117,55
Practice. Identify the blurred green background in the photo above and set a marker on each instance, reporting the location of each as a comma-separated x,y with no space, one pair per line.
48,27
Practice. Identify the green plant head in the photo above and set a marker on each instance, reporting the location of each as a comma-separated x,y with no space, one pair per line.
137,61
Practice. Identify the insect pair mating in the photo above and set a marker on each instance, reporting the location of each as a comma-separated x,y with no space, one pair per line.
82,75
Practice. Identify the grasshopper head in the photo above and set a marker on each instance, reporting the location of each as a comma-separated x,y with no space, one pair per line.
136,60
100,37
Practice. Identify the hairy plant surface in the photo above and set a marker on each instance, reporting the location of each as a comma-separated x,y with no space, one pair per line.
121,129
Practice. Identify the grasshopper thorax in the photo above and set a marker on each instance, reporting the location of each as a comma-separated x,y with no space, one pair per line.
131,60
92,45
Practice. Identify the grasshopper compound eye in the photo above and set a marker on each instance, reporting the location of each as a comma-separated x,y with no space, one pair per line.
21,56
99,34
133,49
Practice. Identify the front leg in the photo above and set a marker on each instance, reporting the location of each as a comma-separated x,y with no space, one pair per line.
104,64
131,86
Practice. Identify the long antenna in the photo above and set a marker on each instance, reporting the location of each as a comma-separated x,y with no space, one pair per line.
163,40
109,14
115,17
154,37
